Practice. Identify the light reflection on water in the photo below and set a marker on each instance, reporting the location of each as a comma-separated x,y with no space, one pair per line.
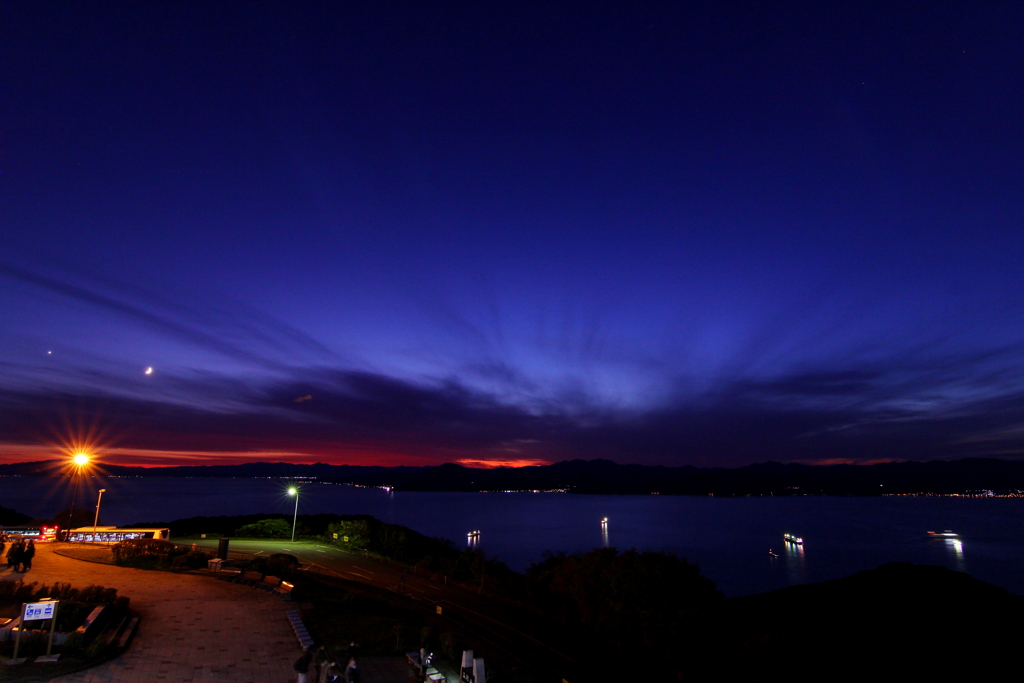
956,550
796,563
729,537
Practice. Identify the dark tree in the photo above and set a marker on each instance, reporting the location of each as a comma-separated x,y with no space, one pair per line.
647,600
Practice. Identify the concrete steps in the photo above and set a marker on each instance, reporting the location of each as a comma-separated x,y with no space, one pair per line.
305,640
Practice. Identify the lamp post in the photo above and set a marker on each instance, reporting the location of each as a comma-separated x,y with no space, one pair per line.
96,519
294,492
80,460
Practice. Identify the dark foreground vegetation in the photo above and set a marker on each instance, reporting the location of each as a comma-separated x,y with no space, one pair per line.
606,605
969,475
898,622
607,610
10,517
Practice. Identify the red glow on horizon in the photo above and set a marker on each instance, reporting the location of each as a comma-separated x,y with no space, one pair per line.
494,464
152,458
847,461
371,456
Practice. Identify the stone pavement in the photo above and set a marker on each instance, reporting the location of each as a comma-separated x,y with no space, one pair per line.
194,629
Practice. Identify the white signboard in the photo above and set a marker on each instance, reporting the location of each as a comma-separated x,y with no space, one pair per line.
39,610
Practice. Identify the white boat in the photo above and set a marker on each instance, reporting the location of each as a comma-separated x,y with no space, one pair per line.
943,534
790,538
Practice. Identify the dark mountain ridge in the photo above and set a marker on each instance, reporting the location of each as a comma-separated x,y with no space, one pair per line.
967,476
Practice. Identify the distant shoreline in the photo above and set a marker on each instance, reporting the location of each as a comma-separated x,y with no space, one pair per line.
969,477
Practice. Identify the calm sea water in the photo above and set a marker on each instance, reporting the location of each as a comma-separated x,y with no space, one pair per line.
729,537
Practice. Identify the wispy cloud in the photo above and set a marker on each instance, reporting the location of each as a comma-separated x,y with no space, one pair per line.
236,331
924,398
895,411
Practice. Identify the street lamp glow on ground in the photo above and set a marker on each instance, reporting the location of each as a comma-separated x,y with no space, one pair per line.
294,492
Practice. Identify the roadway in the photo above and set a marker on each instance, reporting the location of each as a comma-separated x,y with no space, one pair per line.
486,619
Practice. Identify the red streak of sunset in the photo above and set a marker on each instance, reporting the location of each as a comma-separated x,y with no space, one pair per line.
493,464
845,461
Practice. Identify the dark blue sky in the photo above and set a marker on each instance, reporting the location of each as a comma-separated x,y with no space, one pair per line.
714,233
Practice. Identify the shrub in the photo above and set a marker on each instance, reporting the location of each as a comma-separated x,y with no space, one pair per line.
97,595
266,528
447,641
139,548
193,559
71,614
281,564
649,600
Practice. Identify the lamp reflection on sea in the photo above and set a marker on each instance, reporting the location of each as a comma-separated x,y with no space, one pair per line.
604,532
956,548
796,563
473,539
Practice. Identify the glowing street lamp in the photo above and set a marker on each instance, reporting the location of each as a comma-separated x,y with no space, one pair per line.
96,519
80,460
294,492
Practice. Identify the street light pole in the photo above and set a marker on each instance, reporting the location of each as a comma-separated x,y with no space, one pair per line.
294,492
96,519
74,495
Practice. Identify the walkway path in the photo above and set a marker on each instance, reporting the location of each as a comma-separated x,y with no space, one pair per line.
493,624
194,629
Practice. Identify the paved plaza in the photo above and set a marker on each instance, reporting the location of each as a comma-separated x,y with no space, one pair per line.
194,629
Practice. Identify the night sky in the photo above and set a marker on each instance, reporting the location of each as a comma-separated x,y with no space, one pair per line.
707,233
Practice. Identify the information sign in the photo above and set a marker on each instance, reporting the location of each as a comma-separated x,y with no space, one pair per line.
39,610
34,611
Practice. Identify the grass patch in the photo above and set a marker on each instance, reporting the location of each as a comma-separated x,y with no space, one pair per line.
93,553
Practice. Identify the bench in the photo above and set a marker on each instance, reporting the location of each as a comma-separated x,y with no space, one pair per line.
112,634
253,577
93,624
128,633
